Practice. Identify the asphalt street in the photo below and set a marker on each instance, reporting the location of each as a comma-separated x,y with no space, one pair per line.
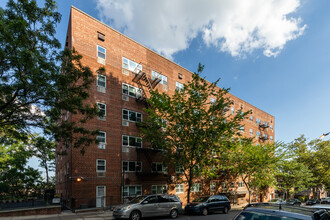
107,215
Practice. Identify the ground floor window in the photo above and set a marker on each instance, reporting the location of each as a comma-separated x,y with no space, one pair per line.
132,191
179,188
158,189
197,187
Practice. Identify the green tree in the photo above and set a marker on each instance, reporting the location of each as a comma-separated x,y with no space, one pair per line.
44,150
39,85
255,164
16,178
189,128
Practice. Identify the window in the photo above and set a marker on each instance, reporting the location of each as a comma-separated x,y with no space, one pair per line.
131,65
102,110
212,100
271,127
179,86
196,187
101,80
101,138
132,116
265,136
224,185
163,79
101,54
158,189
232,185
178,169
132,166
251,131
159,168
213,186
258,133
232,110
130,141
240,184
242,128
131,91
132,191
251,118
258,120
271,138
100,165
265,123
179,188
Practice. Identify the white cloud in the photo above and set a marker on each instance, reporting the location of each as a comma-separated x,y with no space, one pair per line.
234,26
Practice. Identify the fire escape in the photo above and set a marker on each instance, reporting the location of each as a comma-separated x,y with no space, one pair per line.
146,86
263,127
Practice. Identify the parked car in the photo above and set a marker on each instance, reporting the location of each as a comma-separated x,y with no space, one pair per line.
312,202
294,202
207,204
278,201
272,211
325,200
150,206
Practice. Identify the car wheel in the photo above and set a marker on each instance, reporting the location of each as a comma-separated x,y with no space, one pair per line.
204,211
174,213
135,215
225,210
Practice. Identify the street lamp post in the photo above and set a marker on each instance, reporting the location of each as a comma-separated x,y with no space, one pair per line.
323,135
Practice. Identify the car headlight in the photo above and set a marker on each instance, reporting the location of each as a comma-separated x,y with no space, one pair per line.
126,208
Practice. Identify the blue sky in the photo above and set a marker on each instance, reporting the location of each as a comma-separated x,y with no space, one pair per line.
274,55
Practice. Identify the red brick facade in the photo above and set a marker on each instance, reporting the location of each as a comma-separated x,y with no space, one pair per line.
83,35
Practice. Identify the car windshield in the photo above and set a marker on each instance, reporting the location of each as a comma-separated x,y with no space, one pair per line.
137,199
201,199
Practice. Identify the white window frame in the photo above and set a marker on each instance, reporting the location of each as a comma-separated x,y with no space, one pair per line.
251,118
135,165
271,127
105,52
137,91
105,80
196,187
213,186
179,188
105,165
258,133
102,143
251,131
128,138
127,190
163,189
164,167
105,108
129,111
241,184
232,110
271,138
212,101
178,169
178,86
160,76
258,121
129,63
224,185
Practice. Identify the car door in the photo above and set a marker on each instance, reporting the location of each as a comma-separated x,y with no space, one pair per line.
212,204
164,205
150,207
222,202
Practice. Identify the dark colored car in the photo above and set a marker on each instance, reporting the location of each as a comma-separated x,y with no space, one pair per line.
207,204
149,206
271,211
294,202
312,202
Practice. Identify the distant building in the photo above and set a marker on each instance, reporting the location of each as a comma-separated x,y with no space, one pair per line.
121,166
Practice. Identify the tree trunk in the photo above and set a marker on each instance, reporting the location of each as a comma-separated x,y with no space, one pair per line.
189,185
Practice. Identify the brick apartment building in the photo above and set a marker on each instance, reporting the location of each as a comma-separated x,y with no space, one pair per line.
121,165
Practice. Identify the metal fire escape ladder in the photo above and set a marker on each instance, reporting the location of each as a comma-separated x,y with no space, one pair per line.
143,80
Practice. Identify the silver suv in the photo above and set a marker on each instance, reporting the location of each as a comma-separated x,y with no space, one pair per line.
149,206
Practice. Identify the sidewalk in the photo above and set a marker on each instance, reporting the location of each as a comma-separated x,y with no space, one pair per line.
67,215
